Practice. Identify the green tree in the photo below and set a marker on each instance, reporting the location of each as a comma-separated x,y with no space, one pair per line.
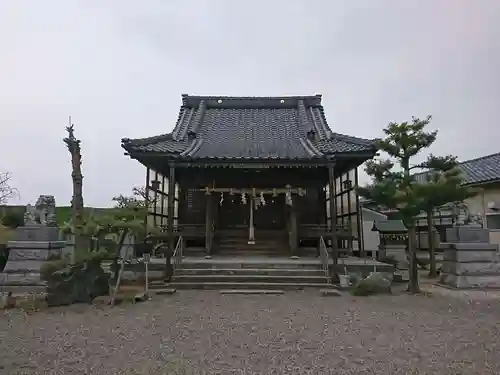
442,185
396,188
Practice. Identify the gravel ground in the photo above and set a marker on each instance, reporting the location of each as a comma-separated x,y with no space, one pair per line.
196,332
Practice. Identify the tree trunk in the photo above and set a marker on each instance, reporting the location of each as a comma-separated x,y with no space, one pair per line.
119,246
413,285
430,240
73,145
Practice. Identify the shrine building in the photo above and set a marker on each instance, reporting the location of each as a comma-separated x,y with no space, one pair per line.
248,176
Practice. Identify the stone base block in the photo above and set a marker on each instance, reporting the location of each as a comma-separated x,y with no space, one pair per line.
464,234
35,245
481,268
471,281
23,266
22,279
472,252
33,254
37,233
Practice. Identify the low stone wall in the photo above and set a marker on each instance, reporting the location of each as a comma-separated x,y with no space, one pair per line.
470,266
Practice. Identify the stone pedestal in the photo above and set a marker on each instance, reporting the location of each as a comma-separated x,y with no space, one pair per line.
32,246
470,266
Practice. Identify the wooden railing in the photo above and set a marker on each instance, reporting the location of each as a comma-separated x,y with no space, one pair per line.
178,254
322,230
323,253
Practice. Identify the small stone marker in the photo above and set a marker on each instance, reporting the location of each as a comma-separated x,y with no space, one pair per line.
330,293
166,291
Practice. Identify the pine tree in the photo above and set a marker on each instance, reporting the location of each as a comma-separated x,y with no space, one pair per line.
442,184
396,189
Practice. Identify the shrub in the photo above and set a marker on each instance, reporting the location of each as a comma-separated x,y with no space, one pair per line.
48,268
97,255
13,219
4,255
376,283
54,256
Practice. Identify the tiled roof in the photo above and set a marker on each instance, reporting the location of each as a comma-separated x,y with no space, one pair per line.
288,128
476,171
392,226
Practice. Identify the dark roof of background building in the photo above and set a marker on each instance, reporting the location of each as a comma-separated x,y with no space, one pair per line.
485,169
218,127
389,226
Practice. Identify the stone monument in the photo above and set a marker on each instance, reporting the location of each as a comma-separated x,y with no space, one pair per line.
470,261
33,244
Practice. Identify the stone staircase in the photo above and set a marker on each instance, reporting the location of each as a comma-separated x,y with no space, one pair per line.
255,273
239,246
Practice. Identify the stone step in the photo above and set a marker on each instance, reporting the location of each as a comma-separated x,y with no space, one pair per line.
255,278
250,253
252,271
291,264
245,246
247,285
245,239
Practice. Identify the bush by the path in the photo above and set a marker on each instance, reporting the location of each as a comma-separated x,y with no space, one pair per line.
376,283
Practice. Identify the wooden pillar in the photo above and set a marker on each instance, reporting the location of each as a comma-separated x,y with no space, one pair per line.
349,210
359,218
293,230
208,225
170,208
321,215
341,195
333,213
146,201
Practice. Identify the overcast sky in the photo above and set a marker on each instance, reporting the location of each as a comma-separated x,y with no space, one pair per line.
119,68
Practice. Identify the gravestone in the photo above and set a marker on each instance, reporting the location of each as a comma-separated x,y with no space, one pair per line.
33,245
